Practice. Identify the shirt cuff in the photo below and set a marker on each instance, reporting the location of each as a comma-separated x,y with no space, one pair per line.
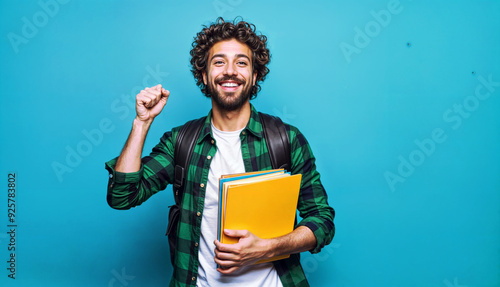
318,233
122,177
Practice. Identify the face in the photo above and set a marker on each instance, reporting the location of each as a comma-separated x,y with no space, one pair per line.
229,76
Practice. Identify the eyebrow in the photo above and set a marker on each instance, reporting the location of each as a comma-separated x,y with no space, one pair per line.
225,56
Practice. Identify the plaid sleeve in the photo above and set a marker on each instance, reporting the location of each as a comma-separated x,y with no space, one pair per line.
127,190
313,206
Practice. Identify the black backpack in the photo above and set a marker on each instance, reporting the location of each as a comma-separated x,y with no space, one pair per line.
278,145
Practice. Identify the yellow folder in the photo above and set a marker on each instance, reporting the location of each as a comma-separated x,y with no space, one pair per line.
252,173
225,178
264,205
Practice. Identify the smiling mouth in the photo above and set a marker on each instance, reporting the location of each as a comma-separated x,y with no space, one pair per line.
229,85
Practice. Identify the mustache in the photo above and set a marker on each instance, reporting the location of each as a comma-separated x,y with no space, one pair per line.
230,78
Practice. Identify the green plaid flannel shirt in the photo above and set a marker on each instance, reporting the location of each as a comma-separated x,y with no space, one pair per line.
126,190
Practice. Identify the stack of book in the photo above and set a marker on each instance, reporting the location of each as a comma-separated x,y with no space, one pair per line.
263,202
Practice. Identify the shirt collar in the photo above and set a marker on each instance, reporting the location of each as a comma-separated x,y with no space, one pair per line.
254,125
206,130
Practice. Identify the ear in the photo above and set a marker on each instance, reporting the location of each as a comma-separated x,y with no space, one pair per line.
204,74
254,80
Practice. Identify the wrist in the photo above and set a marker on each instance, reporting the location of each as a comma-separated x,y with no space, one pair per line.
142,123
271,247
140,127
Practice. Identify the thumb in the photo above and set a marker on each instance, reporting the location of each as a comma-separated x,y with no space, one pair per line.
164,97
236,233
165,93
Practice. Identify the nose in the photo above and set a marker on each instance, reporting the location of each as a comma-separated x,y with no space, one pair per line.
230,70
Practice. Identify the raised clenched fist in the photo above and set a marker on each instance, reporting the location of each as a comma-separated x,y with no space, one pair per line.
150,102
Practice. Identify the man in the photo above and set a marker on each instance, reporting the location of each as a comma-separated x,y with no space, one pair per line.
228,61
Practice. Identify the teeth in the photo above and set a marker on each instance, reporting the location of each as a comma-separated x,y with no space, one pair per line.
229,85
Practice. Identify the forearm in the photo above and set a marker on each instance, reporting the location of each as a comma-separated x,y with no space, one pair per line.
156,171
130,157
300,240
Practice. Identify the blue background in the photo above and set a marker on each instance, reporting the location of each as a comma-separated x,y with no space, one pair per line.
407,214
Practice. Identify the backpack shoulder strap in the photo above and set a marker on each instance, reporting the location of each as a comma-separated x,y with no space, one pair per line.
277,141
184,146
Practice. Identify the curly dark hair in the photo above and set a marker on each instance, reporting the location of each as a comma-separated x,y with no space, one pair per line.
242,31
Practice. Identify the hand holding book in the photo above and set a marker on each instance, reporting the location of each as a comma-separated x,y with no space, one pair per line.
249,250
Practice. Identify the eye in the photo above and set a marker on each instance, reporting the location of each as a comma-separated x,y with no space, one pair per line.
242,63
218,62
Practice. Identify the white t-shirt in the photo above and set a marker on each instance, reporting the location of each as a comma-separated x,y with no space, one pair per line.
227,160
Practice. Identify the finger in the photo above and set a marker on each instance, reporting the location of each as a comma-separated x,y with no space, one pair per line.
225,255
156,88
150,91
228,271
218,244
143,99
153,87
148,101
154,97
150,94
153,93
228,248
225,264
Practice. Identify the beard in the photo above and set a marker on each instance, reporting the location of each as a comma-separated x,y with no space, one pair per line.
229,101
